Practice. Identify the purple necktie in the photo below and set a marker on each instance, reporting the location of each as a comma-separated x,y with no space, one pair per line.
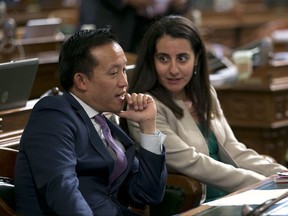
120,160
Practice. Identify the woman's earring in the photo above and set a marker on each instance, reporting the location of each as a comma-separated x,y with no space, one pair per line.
195,70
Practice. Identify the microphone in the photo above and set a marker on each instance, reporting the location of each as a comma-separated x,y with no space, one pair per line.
249,211
9,49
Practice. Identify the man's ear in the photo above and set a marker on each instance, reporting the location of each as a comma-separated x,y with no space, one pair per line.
80,81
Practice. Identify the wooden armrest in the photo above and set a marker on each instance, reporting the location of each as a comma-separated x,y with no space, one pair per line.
191,187
10,139
6,210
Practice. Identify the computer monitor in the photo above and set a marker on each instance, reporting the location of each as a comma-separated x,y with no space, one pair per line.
16,81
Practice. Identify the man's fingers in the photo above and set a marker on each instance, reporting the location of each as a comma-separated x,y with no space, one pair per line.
138,101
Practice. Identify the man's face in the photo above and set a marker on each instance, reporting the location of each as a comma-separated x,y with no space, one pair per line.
108,85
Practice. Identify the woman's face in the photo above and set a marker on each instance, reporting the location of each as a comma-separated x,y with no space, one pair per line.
174,62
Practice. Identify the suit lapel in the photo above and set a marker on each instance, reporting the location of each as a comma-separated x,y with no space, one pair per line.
97,143
120,134
95,139
125,141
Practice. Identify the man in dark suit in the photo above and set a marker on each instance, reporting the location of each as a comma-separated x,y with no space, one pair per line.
129,19
65,162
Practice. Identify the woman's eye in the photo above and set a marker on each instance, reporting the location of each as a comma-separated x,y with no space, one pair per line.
163,58
182,58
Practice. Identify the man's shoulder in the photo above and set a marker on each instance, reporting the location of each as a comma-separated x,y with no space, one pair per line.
53,108
53,102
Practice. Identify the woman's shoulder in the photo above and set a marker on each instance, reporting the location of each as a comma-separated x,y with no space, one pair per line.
213,91
214,96
216,106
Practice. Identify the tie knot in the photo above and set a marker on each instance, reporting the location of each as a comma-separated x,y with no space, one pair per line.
101,120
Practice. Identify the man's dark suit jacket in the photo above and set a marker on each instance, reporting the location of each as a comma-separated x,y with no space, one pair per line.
63,166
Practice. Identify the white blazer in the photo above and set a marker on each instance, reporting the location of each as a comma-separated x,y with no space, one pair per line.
187,150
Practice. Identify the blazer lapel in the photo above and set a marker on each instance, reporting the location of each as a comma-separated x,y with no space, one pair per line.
95,139
192,130
125,141
97,143
120,134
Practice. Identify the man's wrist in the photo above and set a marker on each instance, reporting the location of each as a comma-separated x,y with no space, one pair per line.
153,142
148,127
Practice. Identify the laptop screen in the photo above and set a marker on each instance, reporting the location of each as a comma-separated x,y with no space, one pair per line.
16,81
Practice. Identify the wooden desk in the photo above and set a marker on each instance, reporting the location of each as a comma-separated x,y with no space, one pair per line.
11,139
258,117
257,110
24,10
235,210
12,124
234,28
15,119
34,46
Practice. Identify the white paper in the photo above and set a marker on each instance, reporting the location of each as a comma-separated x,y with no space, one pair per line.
280,35
251,197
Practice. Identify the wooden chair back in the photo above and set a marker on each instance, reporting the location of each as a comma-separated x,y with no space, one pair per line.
7,196
7,162
192,190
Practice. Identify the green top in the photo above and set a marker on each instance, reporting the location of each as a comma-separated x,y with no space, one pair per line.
213,193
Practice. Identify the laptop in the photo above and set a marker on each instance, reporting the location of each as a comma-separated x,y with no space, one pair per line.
16,81
36,28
